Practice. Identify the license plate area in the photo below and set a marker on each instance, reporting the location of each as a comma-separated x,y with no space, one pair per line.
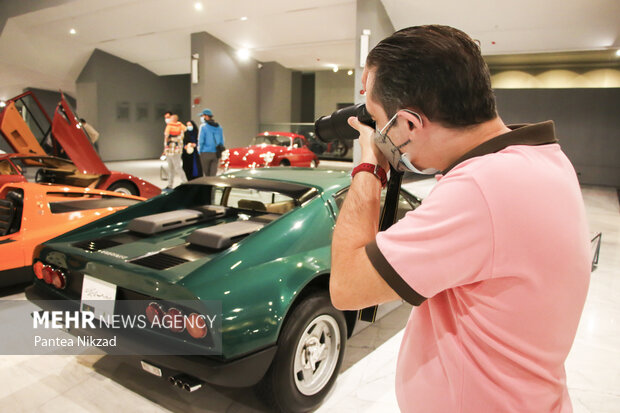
98,296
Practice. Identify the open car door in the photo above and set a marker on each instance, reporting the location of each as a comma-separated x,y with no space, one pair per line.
16,131
68,132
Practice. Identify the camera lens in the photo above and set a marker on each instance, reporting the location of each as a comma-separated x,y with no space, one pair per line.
335,126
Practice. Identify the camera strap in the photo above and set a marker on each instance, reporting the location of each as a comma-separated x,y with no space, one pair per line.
388,217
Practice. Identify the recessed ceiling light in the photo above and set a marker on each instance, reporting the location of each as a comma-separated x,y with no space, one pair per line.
72,31
198,6
244,18
243,54
350,72
335,69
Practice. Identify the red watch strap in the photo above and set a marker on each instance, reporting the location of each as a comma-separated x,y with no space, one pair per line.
376,170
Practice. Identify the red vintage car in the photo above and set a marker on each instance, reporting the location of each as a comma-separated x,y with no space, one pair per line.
271,149
26,127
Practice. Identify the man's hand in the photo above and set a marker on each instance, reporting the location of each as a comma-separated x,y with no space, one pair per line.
370,152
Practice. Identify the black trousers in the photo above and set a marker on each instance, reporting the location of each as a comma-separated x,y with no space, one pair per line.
209,163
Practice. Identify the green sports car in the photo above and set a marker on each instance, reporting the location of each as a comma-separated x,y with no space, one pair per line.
256,241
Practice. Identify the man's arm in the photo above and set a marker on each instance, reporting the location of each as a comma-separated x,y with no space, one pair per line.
200,138
354,282
166,134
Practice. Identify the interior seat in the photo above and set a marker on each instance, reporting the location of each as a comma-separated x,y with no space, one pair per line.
280,207
5,168
252,205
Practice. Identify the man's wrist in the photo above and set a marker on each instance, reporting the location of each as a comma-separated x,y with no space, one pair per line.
375,169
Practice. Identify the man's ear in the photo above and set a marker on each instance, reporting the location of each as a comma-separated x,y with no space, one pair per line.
414,120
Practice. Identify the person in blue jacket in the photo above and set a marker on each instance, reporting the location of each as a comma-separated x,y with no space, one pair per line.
210,136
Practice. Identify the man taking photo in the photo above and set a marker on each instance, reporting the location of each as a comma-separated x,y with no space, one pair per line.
496,261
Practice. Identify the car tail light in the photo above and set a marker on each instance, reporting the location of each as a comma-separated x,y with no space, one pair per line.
196,325
50,275
176,323
37,267
47,274
58,279
154,312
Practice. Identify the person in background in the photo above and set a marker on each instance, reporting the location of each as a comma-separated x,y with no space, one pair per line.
173,147
191,160
167,117
91,132
211,136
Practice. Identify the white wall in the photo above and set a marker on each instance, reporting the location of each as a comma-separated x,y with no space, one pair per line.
330,89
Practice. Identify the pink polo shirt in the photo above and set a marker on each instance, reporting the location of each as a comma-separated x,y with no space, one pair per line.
501,250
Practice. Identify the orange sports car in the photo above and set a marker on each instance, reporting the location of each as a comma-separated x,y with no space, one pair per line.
32,213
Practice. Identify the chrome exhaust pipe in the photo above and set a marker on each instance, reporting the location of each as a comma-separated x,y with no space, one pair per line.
186,382
192,384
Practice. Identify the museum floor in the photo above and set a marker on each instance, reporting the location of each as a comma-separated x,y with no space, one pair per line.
366,383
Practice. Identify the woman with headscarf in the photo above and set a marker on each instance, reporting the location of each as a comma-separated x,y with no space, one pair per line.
191,161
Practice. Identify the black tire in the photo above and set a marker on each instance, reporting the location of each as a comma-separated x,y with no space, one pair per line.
314,328
124,187
285,162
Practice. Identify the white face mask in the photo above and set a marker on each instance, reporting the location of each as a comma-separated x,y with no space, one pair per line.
190,127
404,159
167,120
398,160
203,120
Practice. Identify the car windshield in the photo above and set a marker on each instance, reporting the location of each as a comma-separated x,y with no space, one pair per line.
277,140
406,202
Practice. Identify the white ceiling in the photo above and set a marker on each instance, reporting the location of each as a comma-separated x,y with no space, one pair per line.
37,50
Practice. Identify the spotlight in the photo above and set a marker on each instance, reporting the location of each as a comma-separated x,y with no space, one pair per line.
244,18
335,69
243,54
618,52
198,6
2,103
350,72
72,31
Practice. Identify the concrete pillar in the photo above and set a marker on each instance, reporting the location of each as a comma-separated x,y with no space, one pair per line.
228,86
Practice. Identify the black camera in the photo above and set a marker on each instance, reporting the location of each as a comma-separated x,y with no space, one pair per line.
335,126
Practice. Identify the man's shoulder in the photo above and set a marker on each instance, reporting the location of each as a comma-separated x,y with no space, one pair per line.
522,160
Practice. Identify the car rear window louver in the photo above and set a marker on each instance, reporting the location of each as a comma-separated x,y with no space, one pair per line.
96,245
159,261
157,223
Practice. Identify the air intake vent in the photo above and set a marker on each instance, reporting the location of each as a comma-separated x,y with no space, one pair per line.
161,261
6,216
96,245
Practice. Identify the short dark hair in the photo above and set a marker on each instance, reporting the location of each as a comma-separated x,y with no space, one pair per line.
438,70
